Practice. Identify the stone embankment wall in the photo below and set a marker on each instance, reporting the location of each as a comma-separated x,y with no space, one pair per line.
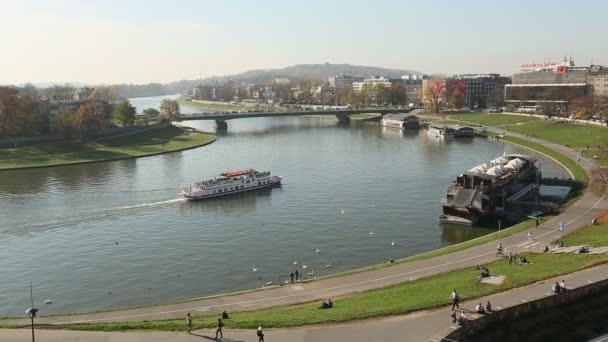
576,315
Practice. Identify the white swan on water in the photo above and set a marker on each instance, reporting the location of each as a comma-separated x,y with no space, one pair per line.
372,233
393,243
318,250
254,269
304,266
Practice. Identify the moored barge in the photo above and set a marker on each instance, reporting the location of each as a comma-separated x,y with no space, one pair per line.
485,190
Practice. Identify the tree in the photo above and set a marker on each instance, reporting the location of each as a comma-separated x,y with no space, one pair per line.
93,117
549,109
104,93
169,110
66,124
125,113
152,113
433,94
398,95
20,114
455,100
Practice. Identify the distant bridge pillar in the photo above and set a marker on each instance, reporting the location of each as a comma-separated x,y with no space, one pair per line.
343,118
221,125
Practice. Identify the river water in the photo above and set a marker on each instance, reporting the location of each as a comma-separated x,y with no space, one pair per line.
108,235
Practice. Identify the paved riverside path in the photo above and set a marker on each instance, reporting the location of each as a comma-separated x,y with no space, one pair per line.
428,325
576,216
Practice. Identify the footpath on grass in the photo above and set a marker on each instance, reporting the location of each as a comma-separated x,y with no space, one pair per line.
577,215
139,144
428,325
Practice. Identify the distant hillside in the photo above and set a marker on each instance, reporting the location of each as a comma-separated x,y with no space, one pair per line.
295,73
323,71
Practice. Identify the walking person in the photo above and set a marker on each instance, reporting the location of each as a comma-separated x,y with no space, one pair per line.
529,236
297,274
220,325
455,299
189,323
537,223
510,258
291,276
260,334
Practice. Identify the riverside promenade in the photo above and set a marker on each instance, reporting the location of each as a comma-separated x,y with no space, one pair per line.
426,325
576,216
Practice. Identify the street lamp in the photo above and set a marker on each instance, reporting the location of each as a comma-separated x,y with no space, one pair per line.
31,312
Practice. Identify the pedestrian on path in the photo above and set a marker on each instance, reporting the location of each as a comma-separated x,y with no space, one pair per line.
578,159
260,334
537,223
562,285
291,276
455,299
530,236
510,258
297,274
220,325
189,322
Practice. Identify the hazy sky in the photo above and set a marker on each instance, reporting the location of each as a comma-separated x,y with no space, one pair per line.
132,41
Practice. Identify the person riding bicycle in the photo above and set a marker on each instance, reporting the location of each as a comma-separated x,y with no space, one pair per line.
499,249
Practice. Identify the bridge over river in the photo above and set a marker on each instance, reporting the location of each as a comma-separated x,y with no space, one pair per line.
343,115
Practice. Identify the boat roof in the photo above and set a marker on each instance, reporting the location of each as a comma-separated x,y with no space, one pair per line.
236,173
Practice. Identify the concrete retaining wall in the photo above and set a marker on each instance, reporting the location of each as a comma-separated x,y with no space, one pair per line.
529,318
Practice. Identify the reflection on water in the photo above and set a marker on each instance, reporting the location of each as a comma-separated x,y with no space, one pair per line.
341,183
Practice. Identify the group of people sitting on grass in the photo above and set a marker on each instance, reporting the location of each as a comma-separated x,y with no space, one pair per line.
327,304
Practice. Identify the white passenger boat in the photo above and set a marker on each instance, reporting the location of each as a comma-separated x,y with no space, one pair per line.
229,183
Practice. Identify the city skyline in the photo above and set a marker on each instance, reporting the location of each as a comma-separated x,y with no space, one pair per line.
141,42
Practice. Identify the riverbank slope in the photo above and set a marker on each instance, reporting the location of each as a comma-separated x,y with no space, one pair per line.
135,145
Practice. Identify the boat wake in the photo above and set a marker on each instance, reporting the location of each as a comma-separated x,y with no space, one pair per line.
144,205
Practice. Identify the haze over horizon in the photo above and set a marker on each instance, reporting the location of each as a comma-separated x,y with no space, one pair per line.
138,41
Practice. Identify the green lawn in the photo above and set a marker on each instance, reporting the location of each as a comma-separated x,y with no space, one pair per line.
487,119
602,156
133,145
399,299
579,172
573,135
596,236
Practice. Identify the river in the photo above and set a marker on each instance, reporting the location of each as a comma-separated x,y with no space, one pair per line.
108,235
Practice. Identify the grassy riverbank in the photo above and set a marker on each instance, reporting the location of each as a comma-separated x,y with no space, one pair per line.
399,299
127,146
578,172
573,135
595,236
